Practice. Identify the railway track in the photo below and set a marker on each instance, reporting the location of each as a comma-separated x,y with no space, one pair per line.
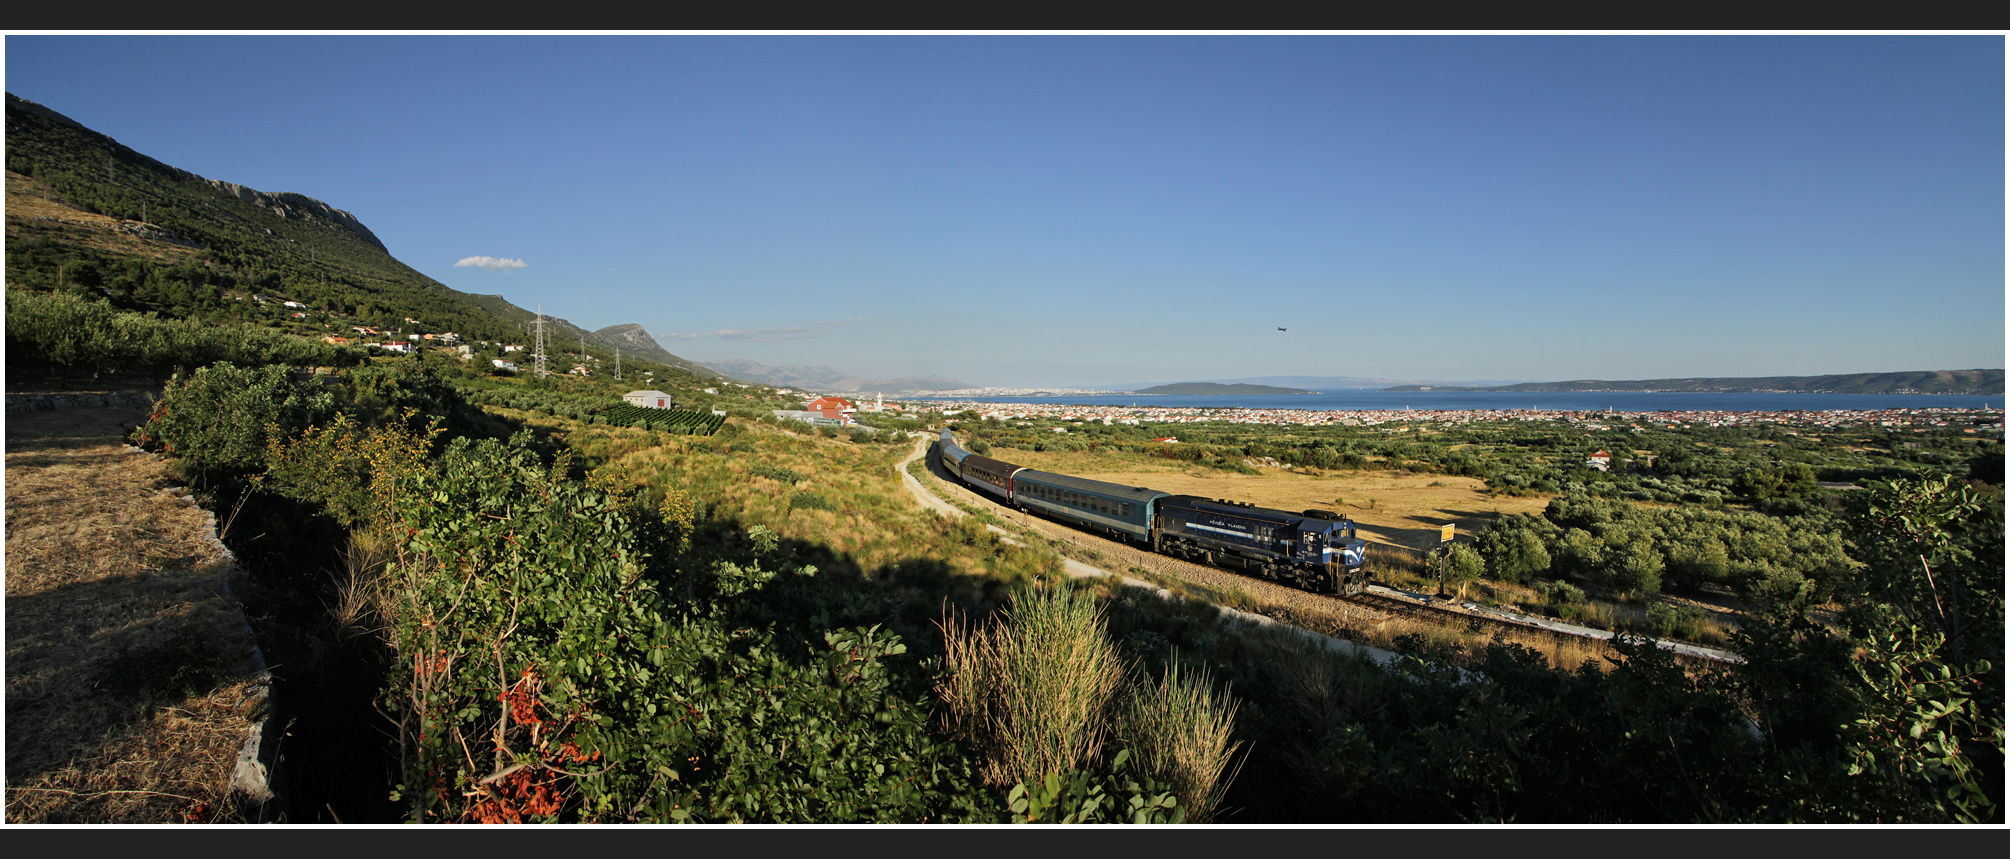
1471,622
1478,622
1448,616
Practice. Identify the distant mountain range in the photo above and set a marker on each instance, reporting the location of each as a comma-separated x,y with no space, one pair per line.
1315,383
1203,389
824,379
1975,382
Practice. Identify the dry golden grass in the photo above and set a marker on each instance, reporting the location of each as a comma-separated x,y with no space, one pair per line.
30,212
125,659
1407,509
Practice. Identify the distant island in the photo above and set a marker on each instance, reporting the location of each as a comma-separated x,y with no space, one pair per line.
1205,389
1972,382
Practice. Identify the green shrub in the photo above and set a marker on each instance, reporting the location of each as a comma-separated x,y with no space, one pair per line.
66,330
1660,619
776,473
558,660
219,420
810,501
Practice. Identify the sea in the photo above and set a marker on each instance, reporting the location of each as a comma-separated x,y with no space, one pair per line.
1560,401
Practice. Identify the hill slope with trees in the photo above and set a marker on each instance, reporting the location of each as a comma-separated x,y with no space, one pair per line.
89,215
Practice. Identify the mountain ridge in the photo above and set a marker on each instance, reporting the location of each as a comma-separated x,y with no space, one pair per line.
825,379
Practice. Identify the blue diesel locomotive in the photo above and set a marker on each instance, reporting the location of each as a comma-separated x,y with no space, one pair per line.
1315,550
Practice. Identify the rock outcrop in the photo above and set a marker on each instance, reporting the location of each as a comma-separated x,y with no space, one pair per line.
299,206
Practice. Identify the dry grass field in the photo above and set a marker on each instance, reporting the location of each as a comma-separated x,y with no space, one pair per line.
29,211
1398,508
126,662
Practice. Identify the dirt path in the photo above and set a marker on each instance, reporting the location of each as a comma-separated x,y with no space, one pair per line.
127,662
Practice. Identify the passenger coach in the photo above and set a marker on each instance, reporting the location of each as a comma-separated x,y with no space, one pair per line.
1124,511
990,475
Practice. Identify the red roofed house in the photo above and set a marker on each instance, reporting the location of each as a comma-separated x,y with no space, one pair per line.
835,408
1600,460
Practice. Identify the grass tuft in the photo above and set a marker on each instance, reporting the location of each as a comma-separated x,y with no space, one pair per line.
1033,689
1179,729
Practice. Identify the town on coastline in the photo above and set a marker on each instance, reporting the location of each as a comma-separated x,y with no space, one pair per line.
1982,420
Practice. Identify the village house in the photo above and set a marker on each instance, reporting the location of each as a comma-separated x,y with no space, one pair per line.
833,408
1600,460
501,364
650,399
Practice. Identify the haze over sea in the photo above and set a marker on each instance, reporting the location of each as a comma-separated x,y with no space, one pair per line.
1625,401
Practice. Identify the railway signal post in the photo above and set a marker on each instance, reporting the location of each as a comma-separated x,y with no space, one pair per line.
1445,535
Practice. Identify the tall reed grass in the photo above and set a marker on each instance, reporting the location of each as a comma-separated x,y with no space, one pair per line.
1034,689
1041,689
1179,729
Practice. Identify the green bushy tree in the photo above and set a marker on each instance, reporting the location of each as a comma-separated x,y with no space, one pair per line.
219,420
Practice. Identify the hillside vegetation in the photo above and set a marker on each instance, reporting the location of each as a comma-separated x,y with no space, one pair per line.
90,216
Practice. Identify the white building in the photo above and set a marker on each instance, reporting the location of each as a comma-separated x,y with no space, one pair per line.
650,399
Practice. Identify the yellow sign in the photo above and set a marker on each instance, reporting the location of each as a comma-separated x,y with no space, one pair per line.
1445,533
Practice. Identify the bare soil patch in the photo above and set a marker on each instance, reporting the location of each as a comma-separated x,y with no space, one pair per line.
33,210
126,660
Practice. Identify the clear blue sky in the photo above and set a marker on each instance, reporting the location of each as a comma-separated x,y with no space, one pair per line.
1087,209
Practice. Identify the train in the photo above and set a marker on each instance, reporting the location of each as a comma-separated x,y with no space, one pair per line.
1315,550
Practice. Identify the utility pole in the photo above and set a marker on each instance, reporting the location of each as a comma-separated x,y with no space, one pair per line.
617,363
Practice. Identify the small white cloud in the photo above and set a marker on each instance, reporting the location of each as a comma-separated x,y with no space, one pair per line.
491,263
